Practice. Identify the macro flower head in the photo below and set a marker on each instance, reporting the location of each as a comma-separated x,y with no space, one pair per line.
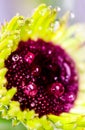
42,71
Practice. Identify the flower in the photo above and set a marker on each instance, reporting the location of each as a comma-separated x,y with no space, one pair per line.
42,71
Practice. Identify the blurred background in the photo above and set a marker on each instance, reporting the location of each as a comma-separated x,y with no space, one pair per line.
9,8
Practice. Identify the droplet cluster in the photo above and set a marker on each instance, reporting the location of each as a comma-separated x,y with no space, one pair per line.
45,77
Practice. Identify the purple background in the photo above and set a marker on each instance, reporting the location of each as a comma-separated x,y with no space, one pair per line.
8,8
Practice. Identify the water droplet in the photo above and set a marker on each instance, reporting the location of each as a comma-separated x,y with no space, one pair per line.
10,43
17,14
56,25
72,15
65,73
49,52
15,57
57,89
32,104
50,7
68,71
50,66
14,66
30,32
42,12
33,79
31,20
58,9
70,97
55,78
28,76
29,57
36,71
31,89
20,22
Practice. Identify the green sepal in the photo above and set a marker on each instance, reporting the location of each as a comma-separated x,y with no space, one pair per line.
6,99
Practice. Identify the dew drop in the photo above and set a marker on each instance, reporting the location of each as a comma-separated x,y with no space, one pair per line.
58,9
29,57
50,7
20,22
30,32
31,89
36,70
17,14
10,43
14,66
49,52
70,97
66,73
32,104
57,89
68,70
15,57
28,76
56,25
55,78
72,15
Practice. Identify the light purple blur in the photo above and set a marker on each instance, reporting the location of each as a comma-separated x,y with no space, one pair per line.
8,8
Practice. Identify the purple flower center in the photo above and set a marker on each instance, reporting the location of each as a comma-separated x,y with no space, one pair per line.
45,77
30,89
57,89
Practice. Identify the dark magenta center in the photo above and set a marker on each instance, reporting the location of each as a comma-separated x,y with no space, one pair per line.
45,77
